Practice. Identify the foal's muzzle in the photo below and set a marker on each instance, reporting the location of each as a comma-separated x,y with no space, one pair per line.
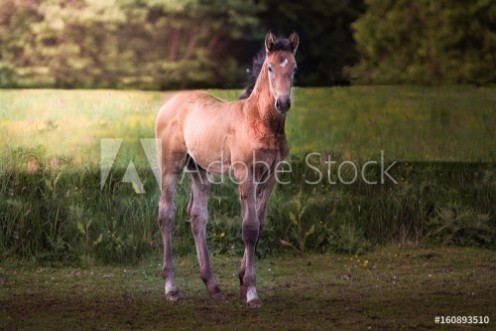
283,103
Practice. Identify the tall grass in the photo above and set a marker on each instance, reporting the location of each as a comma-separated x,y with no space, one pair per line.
63,216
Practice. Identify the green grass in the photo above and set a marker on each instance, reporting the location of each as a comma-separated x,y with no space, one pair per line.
392,288
408,123
68,125
52,207
73,256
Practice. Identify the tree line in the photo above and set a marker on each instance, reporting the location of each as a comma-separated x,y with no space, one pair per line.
172,44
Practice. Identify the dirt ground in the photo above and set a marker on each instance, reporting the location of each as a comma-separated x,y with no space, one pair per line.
392,288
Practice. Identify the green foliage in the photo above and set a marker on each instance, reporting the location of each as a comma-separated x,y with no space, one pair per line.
299,232
162,44
350,240
62,216
146,44
461,226
427,42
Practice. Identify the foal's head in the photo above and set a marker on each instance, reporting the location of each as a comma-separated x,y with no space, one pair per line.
281,67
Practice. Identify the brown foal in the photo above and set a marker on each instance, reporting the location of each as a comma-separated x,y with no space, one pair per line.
245,139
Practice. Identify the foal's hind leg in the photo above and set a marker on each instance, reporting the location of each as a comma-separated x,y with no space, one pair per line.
171,170
198,214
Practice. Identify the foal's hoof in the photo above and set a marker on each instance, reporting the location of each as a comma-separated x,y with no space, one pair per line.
255,303
214,292
252,298
172,296
219,296
242,293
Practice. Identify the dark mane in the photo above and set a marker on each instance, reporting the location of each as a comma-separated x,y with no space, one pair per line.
281,44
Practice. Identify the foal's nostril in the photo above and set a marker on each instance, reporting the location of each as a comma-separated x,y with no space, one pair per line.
283,104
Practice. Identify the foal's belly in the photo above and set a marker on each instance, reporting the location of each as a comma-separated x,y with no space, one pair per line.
214,163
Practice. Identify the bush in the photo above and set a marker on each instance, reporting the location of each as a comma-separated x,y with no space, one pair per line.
461,226
426,42
350,240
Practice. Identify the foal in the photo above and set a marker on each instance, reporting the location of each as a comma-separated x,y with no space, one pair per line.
244,139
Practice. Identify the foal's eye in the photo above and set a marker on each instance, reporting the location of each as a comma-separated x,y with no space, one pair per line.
271,69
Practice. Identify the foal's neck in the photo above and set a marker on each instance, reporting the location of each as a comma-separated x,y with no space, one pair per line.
262,106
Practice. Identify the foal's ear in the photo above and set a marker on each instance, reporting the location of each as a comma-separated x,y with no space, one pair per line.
269,41
294,41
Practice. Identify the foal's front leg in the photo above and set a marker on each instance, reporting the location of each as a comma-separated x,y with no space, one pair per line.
247,191
264,190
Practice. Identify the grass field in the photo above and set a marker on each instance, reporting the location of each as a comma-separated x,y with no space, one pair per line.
392,288
53,208
408,123
360,256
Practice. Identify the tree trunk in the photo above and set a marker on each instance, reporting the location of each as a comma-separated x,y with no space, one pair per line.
174,44
190,48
